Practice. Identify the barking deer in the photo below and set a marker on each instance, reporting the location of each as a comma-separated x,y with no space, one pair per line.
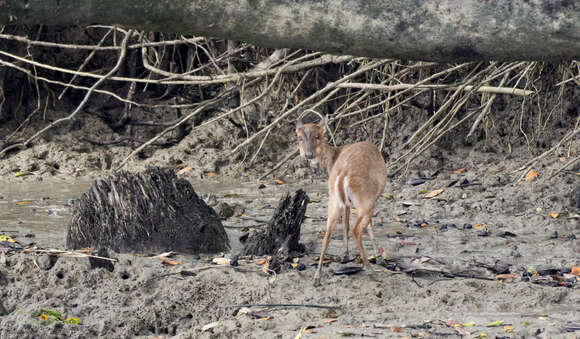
357,176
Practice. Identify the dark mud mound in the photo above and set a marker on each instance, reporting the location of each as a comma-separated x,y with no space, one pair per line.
149,211
282,235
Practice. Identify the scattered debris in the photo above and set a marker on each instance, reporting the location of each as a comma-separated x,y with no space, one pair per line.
347,270
531,175
433,194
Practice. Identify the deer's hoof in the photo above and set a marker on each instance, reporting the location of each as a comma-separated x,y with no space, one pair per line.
345,258
316,281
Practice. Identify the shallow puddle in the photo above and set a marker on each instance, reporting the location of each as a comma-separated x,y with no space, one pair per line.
40,212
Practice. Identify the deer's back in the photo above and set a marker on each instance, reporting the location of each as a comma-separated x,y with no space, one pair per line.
363,166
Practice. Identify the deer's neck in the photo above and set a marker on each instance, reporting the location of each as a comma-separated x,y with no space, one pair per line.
328,157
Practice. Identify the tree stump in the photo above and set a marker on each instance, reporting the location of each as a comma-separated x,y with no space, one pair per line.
282,235
149,211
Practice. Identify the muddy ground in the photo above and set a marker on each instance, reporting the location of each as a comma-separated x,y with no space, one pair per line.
490,249
494,219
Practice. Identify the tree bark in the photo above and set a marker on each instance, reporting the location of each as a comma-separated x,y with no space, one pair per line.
438,30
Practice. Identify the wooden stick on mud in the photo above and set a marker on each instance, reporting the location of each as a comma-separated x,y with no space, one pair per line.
68,254
284,305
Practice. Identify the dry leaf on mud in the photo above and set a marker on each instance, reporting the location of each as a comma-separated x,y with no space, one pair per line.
505,276
531,175
2,258
278,181
575,270
458,327
164,255
479,227
23,203
209,326
433,193
396,329
261,262
210,174
167,262
231,195
329,320
221,261
397,219
184,170
554,215
460,170
266,268
508,329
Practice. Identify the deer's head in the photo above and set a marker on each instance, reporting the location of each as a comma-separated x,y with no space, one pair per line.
310,138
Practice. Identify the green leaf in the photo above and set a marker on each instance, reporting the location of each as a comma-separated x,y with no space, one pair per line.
495,323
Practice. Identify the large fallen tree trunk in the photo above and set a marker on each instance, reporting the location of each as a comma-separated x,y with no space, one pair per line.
442,30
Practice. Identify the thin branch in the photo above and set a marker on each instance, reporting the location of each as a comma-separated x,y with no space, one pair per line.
85,62
486,108
482,89
570,163
284,305
97,48
60,83
528,165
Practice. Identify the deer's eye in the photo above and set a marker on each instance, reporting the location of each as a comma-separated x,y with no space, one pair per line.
317,136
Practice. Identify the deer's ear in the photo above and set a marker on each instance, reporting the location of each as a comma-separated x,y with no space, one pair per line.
299,123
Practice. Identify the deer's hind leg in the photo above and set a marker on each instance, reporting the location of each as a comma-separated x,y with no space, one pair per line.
378,255
333,216
360,223
345,222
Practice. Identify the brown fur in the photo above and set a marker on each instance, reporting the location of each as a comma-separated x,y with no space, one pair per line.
357,177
